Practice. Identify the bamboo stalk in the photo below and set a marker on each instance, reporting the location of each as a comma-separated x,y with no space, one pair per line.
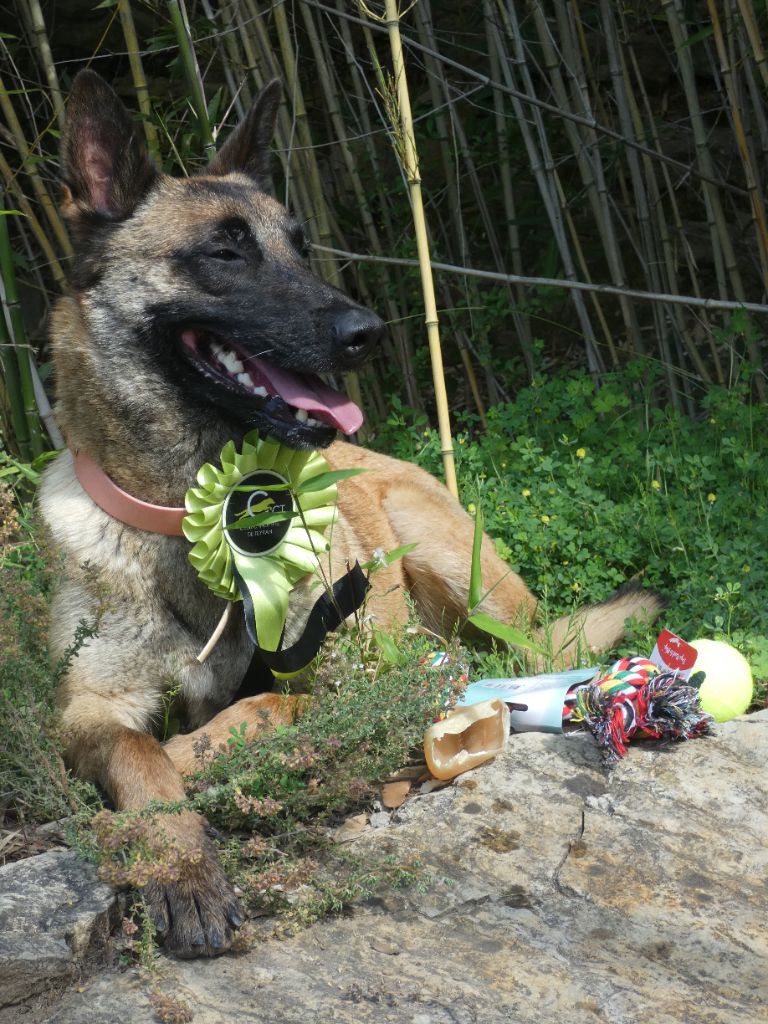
753,31
408,154
522,321
32,434
27,159
35,227
759,115
715,215
137,74
178,14
670,263
543,167
751,175
40,36
11,383
439,94
588,158
650,256
226,43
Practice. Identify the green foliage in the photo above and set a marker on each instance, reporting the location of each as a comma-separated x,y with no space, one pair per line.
34,785
584,489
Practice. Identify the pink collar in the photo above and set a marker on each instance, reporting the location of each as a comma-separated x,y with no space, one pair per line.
123,506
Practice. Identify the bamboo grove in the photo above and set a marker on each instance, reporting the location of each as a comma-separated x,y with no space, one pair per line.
590,175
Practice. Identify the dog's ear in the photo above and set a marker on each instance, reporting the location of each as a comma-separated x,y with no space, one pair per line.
247,148
104,163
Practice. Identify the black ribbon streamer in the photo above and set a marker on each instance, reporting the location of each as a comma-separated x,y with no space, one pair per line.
329,611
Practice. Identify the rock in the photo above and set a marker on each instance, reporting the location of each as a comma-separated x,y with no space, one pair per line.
54,917
558,893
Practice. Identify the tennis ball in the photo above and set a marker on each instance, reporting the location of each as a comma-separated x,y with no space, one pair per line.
726,689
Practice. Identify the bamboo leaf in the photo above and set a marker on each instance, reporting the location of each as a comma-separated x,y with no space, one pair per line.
476,572
388,557
323,480
502,631
389,649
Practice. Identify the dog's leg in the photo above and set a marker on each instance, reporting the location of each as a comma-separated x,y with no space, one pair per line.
196,914
186,752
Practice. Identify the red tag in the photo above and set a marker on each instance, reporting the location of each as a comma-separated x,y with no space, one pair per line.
672,654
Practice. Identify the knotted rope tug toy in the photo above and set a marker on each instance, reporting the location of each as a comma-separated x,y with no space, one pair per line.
637,699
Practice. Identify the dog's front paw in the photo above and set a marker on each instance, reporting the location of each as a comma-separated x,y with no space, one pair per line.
199,913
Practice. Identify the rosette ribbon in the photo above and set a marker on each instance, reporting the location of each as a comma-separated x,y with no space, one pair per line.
256,532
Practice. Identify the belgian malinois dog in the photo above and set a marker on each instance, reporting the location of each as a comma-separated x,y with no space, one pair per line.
194,317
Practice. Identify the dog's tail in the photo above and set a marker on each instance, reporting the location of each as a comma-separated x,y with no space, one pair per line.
601,626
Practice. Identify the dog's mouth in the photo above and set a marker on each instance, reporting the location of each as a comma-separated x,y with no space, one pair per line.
296,407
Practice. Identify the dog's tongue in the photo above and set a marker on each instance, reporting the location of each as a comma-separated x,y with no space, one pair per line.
310,394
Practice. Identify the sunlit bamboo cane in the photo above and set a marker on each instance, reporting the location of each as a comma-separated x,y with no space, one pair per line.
406,149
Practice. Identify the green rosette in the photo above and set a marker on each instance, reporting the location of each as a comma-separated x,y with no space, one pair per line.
223,555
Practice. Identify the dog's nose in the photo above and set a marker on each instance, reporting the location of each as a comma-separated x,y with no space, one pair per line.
356,332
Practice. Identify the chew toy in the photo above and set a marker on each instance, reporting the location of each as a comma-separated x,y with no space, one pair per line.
637,699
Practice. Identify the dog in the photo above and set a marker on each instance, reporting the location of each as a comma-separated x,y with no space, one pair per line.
193,318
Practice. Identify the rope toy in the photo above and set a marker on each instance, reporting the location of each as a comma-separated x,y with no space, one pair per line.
637,699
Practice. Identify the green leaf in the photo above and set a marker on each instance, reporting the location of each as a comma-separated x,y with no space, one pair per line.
502,631
389,557
476,572
697,37
323,480
389,649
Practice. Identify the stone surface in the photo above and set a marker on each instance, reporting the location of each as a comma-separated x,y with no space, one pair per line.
559,894
54,916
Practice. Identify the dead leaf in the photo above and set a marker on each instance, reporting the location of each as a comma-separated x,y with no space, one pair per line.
394,794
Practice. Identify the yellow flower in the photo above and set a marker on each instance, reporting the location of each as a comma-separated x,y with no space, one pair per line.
525,492
545,519
711,498
461,440
745,568
580,453
471,508
656,485
575,587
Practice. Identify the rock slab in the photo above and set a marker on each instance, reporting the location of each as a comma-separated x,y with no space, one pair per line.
55,916
559,893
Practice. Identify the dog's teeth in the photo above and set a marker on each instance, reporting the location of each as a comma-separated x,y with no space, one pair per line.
260,392
301,415
244,378
229,360
312,423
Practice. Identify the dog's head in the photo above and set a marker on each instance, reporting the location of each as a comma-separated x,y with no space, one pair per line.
205,280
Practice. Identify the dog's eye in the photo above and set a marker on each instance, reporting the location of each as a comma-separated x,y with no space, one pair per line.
228,255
